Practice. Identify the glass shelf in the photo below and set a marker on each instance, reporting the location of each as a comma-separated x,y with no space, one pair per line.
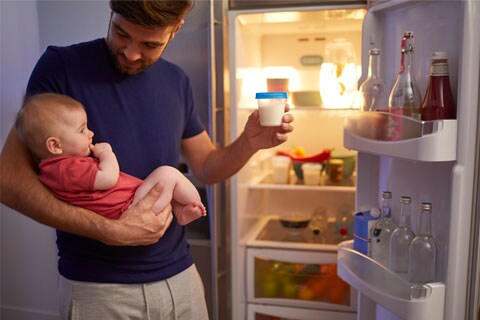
384,133
266,182
408,301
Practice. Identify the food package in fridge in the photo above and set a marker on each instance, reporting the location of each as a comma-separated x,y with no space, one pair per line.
363,223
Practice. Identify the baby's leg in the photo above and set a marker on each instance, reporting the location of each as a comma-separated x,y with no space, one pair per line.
187,205
177,190
157,176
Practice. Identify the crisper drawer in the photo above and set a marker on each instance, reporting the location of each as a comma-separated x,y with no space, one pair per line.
297,278
265,312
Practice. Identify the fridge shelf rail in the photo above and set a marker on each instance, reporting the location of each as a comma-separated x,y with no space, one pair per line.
383,133
393,292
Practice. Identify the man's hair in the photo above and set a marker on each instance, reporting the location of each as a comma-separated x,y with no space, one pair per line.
37,117
152,13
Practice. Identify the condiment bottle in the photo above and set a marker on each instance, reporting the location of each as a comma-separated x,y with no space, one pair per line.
372,90
438,102
405,98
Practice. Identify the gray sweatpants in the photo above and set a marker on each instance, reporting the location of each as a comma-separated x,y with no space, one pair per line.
180,297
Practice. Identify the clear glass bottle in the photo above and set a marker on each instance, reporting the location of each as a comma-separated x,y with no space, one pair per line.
423,250
401,239
438,102
405,98
372,90
382,231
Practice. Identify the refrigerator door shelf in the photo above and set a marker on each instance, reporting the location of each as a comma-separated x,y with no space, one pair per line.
384,133
387,288
296,278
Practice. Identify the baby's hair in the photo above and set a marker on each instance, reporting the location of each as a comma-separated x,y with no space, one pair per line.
38,116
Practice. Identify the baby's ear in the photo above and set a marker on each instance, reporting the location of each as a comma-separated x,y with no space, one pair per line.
53,145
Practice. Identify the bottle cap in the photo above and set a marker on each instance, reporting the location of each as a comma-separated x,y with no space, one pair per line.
425,206
439,55
386,195
375,51
405,199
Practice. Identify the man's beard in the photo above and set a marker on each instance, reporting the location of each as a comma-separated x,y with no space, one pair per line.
116,55
125,70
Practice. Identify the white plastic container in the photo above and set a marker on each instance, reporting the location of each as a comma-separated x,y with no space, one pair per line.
271,107
311,173
281,169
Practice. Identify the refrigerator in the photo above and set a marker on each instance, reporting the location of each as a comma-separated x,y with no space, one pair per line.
437,163
313,51
301,42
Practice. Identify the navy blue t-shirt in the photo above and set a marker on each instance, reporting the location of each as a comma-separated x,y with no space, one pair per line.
144,117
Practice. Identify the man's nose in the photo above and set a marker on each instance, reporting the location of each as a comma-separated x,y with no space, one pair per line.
131,52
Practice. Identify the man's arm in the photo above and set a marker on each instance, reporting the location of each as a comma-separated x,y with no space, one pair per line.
212,165
21,190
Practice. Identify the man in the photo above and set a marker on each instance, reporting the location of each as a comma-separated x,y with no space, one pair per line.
138,266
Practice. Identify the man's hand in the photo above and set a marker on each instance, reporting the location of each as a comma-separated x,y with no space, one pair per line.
260,137
139,225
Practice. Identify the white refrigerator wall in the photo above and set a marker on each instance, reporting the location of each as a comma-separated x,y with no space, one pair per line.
437,26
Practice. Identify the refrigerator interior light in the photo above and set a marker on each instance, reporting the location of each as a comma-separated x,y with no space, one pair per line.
276,17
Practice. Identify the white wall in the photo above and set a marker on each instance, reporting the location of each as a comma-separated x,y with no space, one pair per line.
28,271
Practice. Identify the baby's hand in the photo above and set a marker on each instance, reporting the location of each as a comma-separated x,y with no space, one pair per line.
100,149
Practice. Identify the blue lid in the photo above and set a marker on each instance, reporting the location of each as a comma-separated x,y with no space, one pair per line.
271,95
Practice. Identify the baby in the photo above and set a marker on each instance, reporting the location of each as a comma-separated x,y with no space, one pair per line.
54,128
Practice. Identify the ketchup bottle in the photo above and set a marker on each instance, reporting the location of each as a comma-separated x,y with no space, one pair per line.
438,102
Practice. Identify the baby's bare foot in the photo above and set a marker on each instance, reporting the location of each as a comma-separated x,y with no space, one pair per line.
190,212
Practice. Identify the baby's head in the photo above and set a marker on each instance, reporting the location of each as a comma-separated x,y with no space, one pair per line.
53,125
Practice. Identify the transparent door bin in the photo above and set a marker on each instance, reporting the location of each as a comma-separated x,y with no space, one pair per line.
394,135
389,289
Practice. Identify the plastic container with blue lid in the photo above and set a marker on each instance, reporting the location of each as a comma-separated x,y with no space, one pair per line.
271,107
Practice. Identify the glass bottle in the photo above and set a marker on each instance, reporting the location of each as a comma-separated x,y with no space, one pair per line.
423,250
438,102
401,239
382,230
405,98
372,90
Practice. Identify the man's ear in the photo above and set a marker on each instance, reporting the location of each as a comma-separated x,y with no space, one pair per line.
177,28
53,145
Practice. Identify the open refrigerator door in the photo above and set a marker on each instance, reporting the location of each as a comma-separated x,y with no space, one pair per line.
434,162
